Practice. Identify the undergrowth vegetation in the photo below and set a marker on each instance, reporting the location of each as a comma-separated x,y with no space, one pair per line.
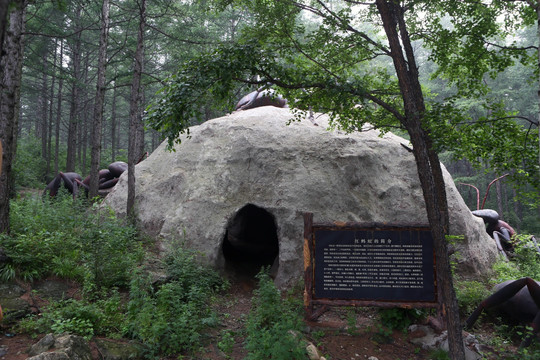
104,316
64,237
122,297
172,317
273,325
88,244
169,314
523,263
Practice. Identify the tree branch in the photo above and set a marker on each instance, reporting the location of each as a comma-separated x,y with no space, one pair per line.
175,38
532,47
345,24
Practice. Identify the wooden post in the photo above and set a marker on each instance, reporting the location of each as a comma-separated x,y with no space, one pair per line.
308,268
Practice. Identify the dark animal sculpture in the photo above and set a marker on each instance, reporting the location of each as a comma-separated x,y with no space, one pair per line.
107,177
499,230
69,179
72,181
519,299
261,97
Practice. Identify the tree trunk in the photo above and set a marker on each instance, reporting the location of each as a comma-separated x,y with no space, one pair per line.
428,165
10,82
154,139
518,209
140,125
98,105
51,106
113,126
58,111
134,113
500,206
74,112
83,137
81,127
3,21
41,119
538,51
83,132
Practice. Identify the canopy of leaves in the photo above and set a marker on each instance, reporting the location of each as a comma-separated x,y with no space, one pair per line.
329,56
326,65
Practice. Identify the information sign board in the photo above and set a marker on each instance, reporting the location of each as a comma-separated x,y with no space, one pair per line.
374,264
388,265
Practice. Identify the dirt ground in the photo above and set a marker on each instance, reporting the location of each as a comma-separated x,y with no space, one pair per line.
333,334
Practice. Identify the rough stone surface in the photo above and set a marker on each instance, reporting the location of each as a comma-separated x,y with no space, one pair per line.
75,346
54,355
51,289
254,157
12,305
44,344
68,347
313,352
430,340
113,350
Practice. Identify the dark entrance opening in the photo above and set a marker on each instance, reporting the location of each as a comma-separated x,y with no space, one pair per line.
250,241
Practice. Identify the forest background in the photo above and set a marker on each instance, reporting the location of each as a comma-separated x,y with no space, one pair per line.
77,77
61,72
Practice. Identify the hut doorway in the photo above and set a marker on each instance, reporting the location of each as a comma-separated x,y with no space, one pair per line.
250,242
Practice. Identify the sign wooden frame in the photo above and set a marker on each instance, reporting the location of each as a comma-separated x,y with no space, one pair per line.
313,296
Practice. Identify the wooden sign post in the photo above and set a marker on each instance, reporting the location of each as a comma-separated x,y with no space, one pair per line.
353,264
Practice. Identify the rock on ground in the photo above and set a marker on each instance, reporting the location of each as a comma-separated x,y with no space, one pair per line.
68,347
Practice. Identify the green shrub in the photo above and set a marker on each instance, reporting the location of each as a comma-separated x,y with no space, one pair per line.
272,325
505,270
173,317
103,316
109,251
226,343
527,257
530,353
37,237
524,263
65,238
439,354
469,295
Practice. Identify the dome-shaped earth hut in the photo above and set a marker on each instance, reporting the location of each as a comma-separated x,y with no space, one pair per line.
238,187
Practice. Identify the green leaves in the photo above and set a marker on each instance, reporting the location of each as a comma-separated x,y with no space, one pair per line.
104,317
271,325
211,77
313,64
170,318
332,58
494,139
61,237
